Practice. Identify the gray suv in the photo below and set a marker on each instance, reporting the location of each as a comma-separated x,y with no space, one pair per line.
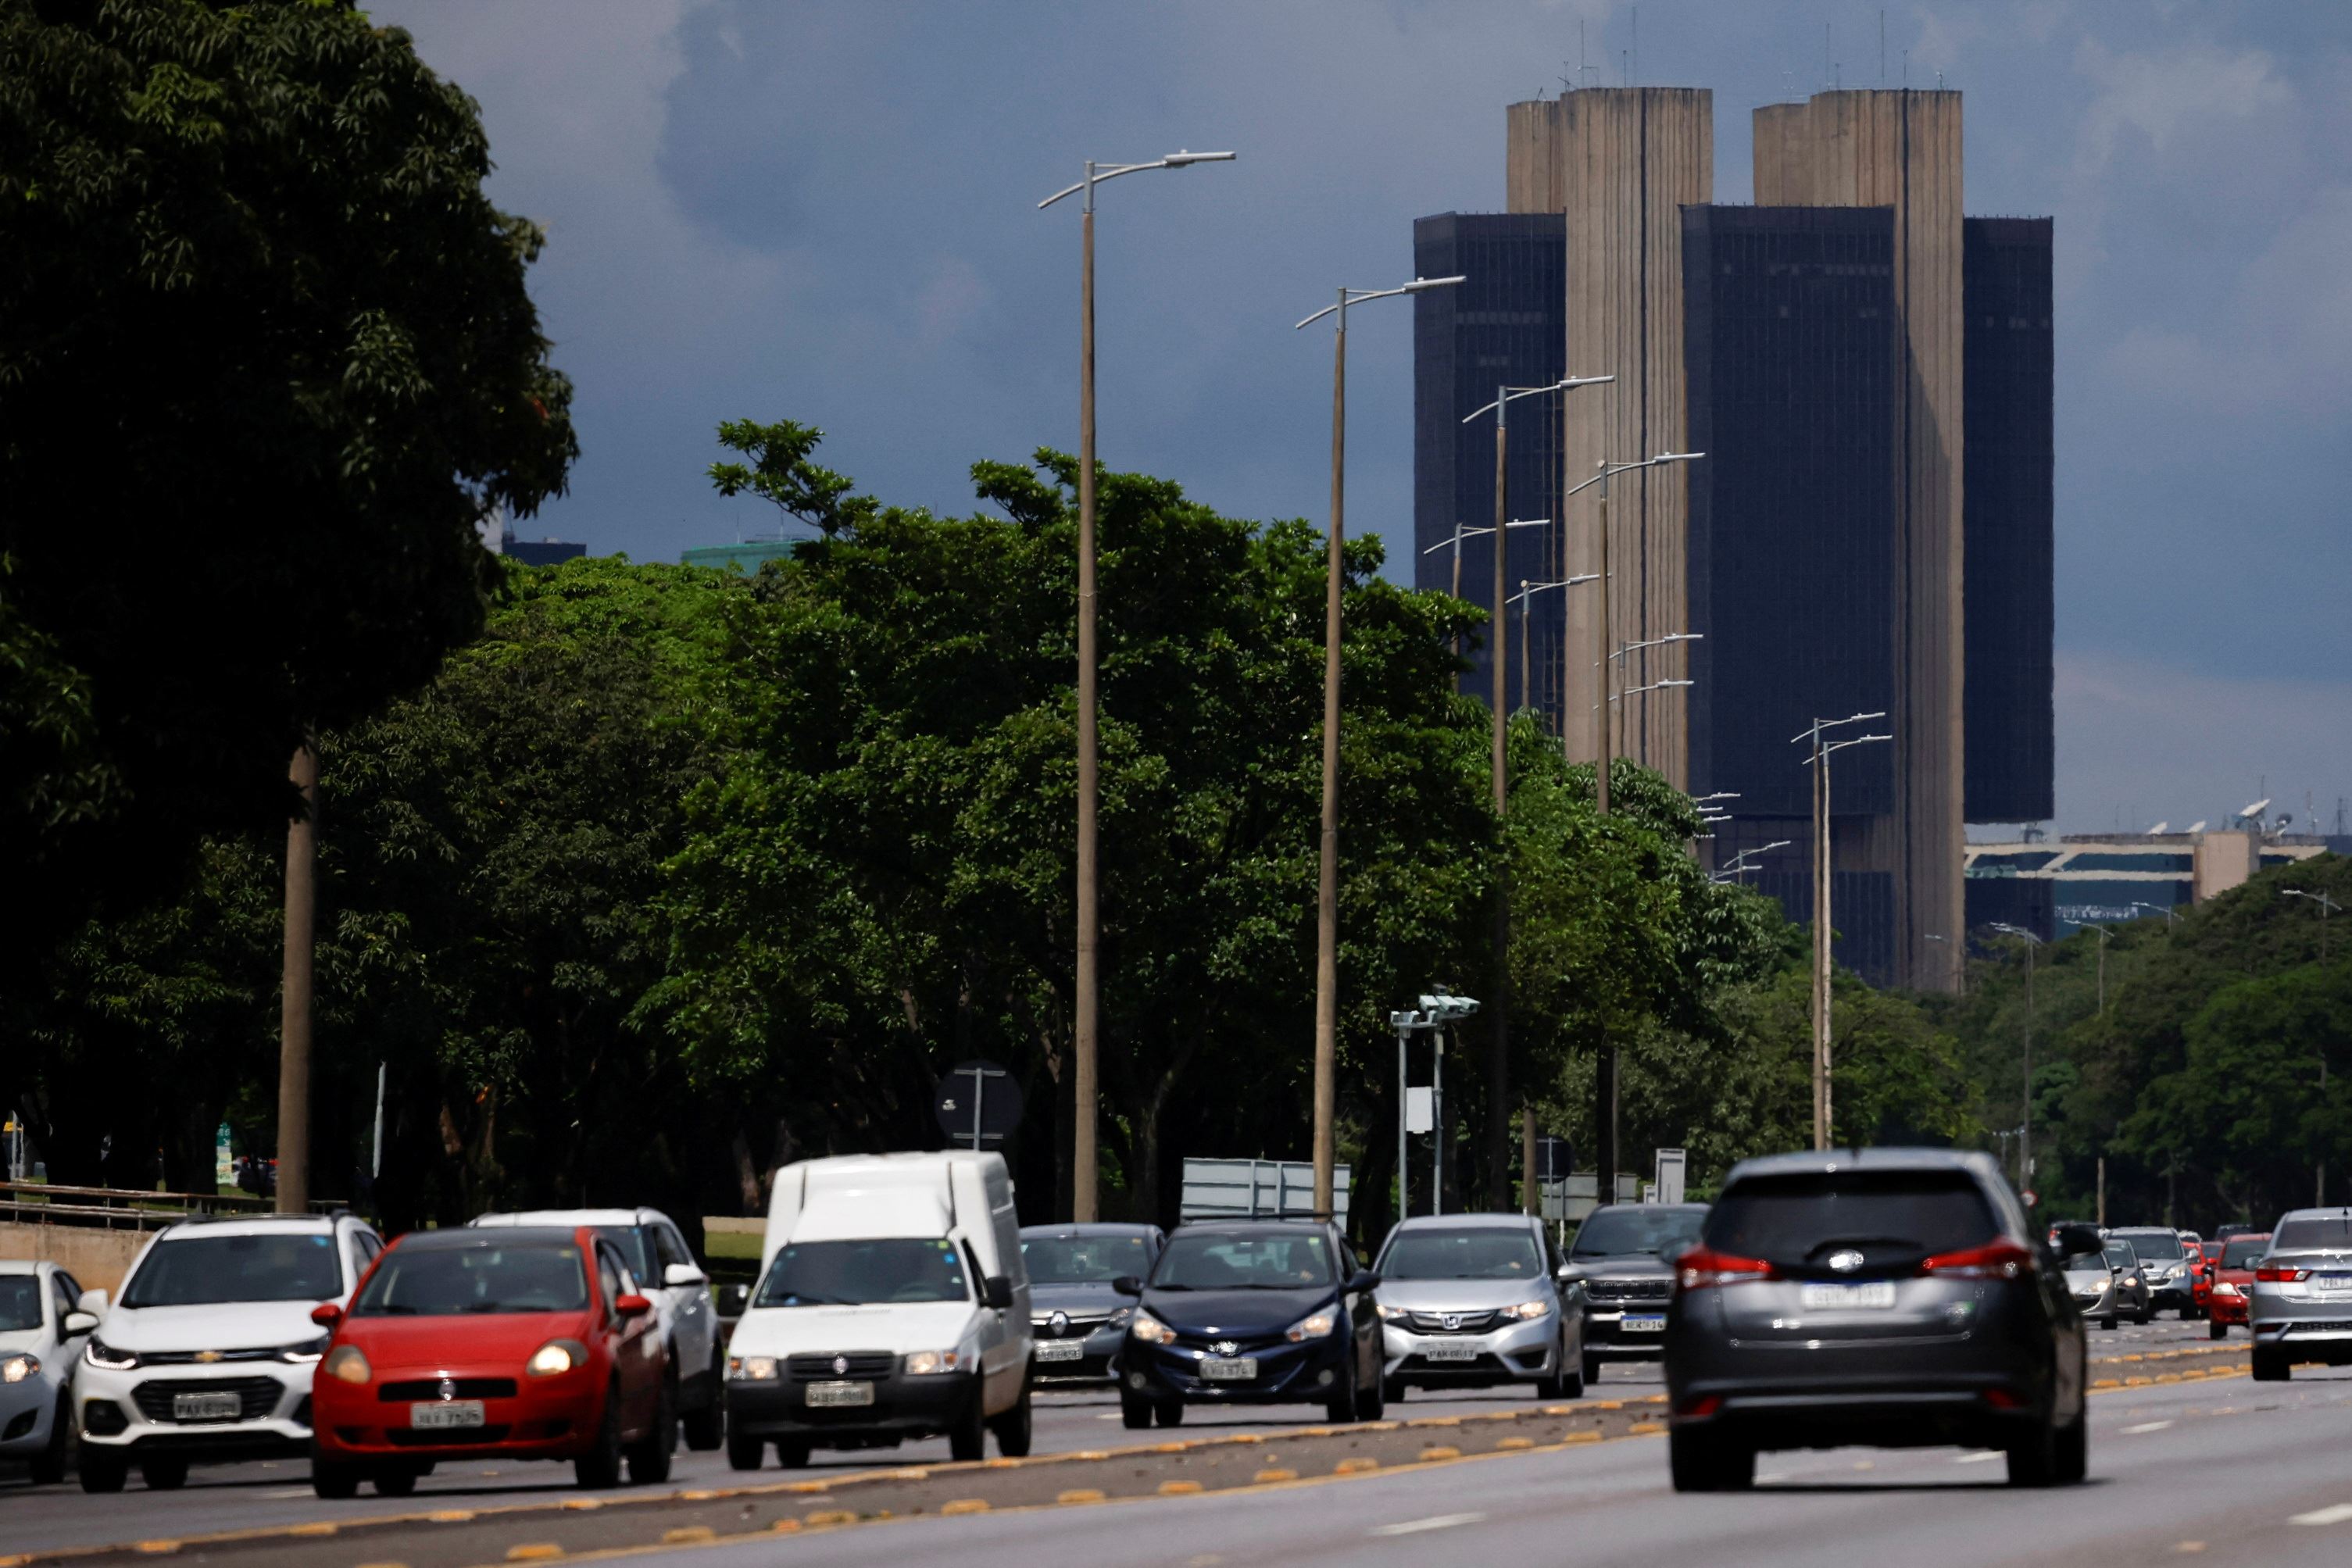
1892,1297
2300,1308
1622,1265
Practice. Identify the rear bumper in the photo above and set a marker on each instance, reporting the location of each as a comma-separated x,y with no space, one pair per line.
904,1407
1927,1414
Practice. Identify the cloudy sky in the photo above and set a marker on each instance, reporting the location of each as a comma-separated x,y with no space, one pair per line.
826,212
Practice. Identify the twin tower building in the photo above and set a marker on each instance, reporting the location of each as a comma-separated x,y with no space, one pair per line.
1868,372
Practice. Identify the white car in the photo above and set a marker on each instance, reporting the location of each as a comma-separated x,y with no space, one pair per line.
42,1327
209,1351
666,1271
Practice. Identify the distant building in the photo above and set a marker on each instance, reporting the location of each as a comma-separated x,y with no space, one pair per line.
540,552
736,557
2100,879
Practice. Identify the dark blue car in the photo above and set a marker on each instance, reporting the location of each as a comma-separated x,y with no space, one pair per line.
1252,1312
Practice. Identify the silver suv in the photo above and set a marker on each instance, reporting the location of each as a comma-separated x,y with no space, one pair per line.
2300,1308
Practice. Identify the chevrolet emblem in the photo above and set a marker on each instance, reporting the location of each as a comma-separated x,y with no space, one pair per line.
208,1357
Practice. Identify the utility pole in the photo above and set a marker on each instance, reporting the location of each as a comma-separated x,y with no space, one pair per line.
294,994
1498,1025
2327,906
2025,1118
2103,1191
1819,760
1529,1198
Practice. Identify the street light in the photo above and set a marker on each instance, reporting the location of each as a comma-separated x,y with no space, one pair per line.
1436,1012
2163,909
2025,1119
1527,590
1959,960
2327,906
1818,758
1455,543
2104,932
1086,998
1735,869
1327,887
1625,713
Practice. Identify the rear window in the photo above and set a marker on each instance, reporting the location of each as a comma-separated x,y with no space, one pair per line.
2332,1233
2244,1252
2155,1246
1884,1214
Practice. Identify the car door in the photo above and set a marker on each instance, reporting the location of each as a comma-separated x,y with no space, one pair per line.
693,1323
1363,1316
636,1340
1000,1364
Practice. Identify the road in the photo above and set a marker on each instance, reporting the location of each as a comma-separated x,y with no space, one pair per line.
2170,1462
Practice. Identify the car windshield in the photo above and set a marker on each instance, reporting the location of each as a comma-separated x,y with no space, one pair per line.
444,1281
2244,1252
1083,1259
2318,1233
855,1273
636,1249
2086,1263
2156,1247
1228,1262
1488,1252
20,1302
1799,1219
198,1270
2121,1257
1623,1228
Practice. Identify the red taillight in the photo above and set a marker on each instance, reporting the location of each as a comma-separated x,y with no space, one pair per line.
1997,1261
1703,1266
2003,1399
1703,1406
2281,1274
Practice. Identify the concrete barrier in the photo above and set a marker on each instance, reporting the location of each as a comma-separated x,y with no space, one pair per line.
97,1258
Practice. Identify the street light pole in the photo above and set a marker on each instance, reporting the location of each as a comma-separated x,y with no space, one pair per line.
1086,998
1327,885
2327,906
1818,758
2025,1117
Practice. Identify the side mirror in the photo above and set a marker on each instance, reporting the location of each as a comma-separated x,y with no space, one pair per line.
2073,1240
326,1314
1127,1285
996,1292
733,1300
78,1323
633,1305
93,1302
680,1275
1365,1280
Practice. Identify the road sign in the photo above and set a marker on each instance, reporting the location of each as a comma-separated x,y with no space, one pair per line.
978,1105
1671,1165
1553,1158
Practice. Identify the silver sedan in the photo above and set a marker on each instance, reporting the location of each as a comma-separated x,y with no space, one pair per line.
2300,1305
1471,1300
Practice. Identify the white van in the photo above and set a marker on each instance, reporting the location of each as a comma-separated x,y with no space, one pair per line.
892,1303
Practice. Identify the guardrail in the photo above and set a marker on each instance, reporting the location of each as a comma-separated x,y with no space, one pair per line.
111,1208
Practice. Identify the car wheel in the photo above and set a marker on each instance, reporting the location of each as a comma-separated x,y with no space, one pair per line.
1373,1401
2145,1316
968,1439
1016,1429
49,1464
1700,1461
328,1478
2271,1366
1134,1412
2189,1314
395,1483
745,1452
1169,1413
601,1465
165,1472
706,1426
1592,1370
2107,1324
103,1472
1392,1391
2073,1451
793,1456
2216,1329
2033,1457
1566,1385
649,1454
1341,1407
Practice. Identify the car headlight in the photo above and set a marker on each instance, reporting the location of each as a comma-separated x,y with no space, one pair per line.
751,1368
1119,1318
1529,1310
310,1350
930,1363
99,1354
347,1364
1150,1330
17,1368
555,1357
2225,1289
1391,1313
2131,1280
1313,1325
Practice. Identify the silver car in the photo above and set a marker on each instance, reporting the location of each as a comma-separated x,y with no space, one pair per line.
2301,1305
1470,1301
2093,1283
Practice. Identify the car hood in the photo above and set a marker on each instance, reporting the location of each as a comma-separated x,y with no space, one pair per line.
1076,1300
2078,1277
15,1340
1621,1266
222,1325
1461,1295
895,1326
1234,1311
470,1339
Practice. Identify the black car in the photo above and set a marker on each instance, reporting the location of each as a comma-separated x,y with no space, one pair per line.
1077,1321
1622,1262
1893,1297
1252,1312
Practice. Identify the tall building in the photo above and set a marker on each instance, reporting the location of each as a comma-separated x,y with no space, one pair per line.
1870,375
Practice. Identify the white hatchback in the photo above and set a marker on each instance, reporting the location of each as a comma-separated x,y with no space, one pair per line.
42,1327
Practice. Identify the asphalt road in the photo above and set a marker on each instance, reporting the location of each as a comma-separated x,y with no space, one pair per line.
250,1496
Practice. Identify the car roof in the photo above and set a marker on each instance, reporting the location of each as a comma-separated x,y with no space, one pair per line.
19,1266
2343,1214
1822,1161
251,1225
465,1235
1250,1226
1468,1222
1092,1228
567,1217
2144,1230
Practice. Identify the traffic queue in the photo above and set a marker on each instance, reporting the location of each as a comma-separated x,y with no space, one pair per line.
1889,1297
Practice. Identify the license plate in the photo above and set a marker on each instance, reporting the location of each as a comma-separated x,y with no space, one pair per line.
1846,1297
206,1406
839,1394
1228,1369
1449,1353
2332,1284
1061,1349
1645,1323
445,1415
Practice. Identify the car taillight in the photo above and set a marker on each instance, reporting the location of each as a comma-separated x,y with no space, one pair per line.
2281,1274
1997,1261
1703,1266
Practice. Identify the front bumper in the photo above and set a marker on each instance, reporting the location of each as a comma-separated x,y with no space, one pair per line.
1521,1353
544,1418
27,1411
904,1407
1096,1350
2230,1308
132,1411
1607,1337
2097,1305
1287,1373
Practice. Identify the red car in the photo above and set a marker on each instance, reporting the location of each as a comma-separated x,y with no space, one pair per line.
510,1343
2229,1276
2200,1283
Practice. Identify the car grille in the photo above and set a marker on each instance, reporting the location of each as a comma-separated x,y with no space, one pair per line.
462,1436
1630,1290
1464,1323
1077,1328
202,1357
429,1388
854,1364
256,1396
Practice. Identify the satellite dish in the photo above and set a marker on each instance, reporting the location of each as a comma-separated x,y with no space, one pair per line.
2198,826
2257,809
2158,828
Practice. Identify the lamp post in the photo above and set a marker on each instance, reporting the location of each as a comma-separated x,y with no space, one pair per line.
1527,590
1818,758
1085,996
2163,909
1455,543
1499,1059
1625,713
2104,932
1738,868
1959,973
1327,887
2327,906
2025,1117
1436,1012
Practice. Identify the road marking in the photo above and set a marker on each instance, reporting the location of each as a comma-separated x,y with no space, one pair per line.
1437,1521
1080,1495
1986,1457
2146,1426
2335,1514
2187,1546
